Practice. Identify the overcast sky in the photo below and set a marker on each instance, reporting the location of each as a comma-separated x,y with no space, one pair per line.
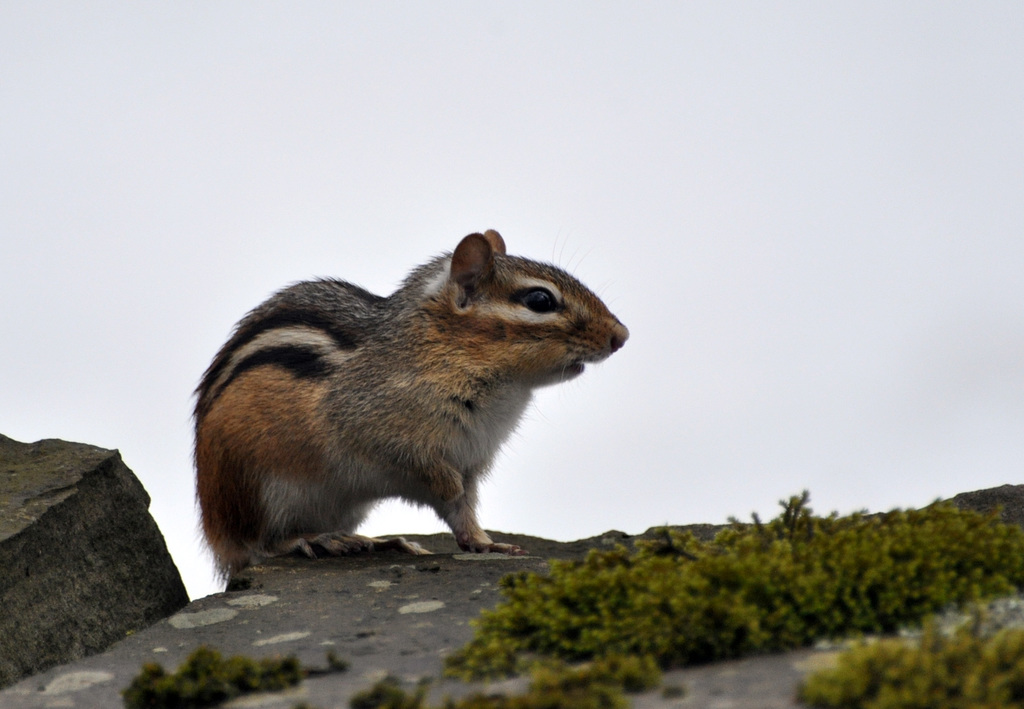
810,216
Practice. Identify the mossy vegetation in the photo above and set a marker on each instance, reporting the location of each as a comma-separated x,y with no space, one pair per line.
388,694
553,685
755,588
960,671
206,679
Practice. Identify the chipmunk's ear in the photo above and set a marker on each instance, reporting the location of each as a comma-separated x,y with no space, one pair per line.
495,240
473,262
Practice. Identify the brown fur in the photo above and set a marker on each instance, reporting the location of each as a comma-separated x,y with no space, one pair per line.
265,423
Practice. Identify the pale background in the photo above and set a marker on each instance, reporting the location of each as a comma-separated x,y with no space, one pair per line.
810,215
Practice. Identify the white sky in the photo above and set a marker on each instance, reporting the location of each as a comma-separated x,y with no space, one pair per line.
810,216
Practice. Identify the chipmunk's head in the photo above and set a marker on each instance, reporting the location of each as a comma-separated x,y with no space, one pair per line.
531,321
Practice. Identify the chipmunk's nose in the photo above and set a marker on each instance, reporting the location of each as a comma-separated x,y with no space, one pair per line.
619,336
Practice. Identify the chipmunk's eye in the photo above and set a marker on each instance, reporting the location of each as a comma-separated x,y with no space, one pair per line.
539,300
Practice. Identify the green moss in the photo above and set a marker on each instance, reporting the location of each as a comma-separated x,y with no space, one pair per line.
957,672
673,692
632,673
388,694
335,663
206,679
756,588
597,685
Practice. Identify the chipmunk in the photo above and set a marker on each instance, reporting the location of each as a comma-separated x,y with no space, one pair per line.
327,399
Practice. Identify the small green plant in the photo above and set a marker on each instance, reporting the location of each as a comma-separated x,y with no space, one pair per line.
554,685
756,588
334,664
962,671
388,694
206,678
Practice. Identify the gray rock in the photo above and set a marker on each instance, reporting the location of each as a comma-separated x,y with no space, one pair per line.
1008,499
390,613
82,563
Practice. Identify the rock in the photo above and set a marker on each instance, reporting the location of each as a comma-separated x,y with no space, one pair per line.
1009,499
82,563
390,613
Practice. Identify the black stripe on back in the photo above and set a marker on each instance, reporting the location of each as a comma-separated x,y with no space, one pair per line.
285,318
301,362
282,318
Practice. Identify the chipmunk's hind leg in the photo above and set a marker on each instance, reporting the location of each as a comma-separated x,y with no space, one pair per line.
318,545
